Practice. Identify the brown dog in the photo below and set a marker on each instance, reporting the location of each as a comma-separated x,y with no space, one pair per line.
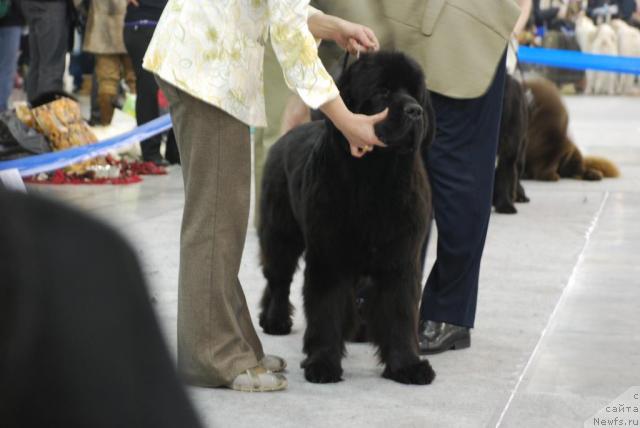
550,152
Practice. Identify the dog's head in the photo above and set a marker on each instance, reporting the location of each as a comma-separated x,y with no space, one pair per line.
389,79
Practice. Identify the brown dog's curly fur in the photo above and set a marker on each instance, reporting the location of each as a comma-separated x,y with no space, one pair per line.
550,152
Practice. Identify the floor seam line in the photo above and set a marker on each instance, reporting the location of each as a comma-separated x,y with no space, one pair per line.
569,284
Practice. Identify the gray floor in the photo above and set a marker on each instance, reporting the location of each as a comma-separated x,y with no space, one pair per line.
558,328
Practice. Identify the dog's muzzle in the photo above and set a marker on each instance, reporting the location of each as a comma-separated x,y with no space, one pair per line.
413,111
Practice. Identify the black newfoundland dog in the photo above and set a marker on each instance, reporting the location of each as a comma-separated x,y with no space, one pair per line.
360,222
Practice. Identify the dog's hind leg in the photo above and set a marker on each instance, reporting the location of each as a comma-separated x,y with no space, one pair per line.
281,245
521,196
327,303
279,262
391,313
506,181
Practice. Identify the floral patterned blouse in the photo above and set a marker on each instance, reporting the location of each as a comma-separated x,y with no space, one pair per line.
214,49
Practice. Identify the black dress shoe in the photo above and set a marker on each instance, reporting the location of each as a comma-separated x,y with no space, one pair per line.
435,337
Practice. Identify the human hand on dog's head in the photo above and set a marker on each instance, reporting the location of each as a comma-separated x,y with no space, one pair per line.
350,36
356,38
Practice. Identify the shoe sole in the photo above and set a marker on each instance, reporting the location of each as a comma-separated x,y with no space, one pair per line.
198,384
262,389
456,346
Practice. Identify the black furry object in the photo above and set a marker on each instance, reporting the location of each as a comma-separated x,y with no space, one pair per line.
49,97
360,223
512,149
80,345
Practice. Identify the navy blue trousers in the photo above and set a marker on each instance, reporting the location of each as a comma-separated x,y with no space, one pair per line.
461,165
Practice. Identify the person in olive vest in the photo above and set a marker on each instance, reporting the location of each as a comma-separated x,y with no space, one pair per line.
461,46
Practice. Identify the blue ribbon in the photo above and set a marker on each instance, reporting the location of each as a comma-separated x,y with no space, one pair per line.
579,61
550,57
48,162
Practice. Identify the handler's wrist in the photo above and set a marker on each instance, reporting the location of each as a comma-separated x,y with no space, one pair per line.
323,26
337,112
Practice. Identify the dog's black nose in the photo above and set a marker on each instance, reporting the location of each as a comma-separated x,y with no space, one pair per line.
414,111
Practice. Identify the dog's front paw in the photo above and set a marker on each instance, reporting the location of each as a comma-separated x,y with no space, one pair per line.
322,371
276,325
592,175
419,373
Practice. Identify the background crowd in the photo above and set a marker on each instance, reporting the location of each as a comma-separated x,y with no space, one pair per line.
101,43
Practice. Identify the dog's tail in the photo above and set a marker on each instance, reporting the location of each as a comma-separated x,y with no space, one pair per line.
605,166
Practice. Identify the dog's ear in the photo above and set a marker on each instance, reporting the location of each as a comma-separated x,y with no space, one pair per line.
430,122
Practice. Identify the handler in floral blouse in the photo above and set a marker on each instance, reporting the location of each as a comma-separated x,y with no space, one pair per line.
208,57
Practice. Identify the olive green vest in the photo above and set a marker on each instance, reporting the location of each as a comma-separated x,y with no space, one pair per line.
457,42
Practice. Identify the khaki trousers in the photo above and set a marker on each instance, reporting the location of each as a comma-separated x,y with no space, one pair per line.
216,338
110,68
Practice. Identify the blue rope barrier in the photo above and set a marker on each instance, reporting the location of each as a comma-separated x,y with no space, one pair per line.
579,61
48,162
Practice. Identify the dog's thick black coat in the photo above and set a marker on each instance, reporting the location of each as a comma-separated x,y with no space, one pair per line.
360,222
512,149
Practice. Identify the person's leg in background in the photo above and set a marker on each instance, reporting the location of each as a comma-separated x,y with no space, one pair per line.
216,338
108,72
128,73
136,39
9,48
32,12
48,41
461,168
94,120
75,65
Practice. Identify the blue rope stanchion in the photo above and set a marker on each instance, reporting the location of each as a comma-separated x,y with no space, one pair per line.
48,162
578,60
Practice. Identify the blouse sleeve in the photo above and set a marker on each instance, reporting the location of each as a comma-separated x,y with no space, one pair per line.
297,52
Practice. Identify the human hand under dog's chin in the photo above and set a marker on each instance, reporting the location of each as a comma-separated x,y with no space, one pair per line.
358,129
360,133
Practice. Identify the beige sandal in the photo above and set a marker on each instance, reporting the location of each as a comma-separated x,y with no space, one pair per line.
273,363
259,379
